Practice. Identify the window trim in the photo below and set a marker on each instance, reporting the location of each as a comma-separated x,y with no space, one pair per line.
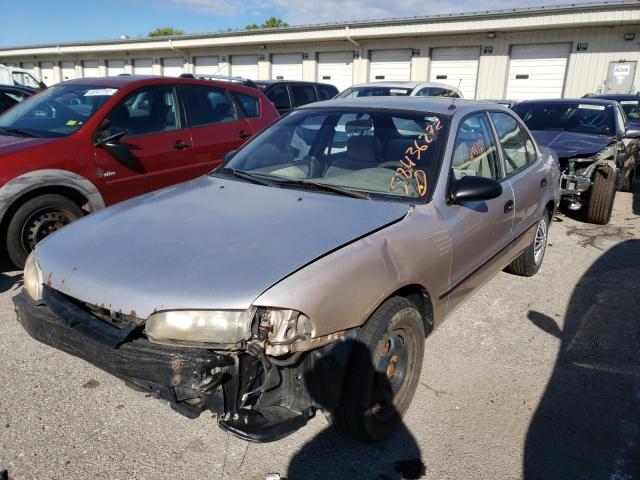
125,97
225,92
242,116
508,175
492,133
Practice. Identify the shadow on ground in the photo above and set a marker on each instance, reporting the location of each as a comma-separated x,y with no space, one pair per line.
332,455
587,425
636,197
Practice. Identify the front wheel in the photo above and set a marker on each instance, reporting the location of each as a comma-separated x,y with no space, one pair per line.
34,220
383,372
530,261
602,195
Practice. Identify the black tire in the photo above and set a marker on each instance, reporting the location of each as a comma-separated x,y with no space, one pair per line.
627,182
383,372
528,263
602,195
34,220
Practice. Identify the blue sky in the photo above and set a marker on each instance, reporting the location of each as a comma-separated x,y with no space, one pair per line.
49,21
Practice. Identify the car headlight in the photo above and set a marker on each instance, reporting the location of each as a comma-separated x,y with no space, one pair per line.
32,276
607,152
200,327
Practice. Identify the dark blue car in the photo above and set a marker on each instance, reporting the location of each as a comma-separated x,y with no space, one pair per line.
595,144
12,94
630,103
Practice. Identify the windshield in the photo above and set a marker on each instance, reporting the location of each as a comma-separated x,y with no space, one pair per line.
396,154
374,91
569,117
56,112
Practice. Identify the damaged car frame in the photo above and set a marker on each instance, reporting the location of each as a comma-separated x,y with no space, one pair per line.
596,146
304,274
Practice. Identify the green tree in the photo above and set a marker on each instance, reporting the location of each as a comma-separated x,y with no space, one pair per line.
165,32
272,22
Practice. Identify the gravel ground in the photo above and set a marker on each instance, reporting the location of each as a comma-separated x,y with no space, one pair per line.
532,378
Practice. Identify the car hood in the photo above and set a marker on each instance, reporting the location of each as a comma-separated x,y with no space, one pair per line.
210,243
569,144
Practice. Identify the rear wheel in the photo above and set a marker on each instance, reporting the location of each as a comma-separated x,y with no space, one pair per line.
602,195
530,261
36,219
383,372
627,182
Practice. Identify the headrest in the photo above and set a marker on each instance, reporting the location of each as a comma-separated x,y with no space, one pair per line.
364,148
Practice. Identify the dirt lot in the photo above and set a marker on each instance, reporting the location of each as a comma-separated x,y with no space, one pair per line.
533,378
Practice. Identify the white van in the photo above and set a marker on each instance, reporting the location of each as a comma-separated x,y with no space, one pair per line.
19,76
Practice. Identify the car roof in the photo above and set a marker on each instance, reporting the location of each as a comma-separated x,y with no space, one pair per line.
122,81
563,101
616,96
273,82
439,105
404,84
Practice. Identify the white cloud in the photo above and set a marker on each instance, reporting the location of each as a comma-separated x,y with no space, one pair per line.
297,12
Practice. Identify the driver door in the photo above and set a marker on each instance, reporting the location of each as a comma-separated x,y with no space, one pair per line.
155,150
479,230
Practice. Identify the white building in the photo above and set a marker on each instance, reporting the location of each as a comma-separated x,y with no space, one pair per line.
566,50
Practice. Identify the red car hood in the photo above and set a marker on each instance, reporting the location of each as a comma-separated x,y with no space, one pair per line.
10,144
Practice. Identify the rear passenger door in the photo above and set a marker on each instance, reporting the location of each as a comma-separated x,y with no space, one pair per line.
524,169
154,152
479,230
216,122
279,95
302,94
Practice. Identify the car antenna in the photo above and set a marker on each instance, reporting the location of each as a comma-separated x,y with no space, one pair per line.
453,99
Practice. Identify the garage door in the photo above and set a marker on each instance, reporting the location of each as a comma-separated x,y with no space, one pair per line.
245,66
286,66
28,66
336,68
46,73
90,68
68,70
456,66
390,65
537,71
115,67
143,66
206,65
172,66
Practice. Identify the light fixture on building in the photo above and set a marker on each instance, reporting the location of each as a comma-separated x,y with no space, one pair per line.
305,56
263,47
415,52
356,54
629,36
261,58
491,35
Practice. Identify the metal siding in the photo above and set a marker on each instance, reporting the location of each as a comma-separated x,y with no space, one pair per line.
543,65
206,65
172,66
90,68
142,66
115,67
244,66
68,70
286,66
46,73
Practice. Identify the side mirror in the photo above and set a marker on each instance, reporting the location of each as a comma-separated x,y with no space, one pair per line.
42,85
632,132
472,188
103,140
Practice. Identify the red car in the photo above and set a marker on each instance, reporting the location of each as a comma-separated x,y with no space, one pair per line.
85,144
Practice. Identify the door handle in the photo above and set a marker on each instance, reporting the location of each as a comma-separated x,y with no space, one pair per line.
543,182
179,145
508,207
244,135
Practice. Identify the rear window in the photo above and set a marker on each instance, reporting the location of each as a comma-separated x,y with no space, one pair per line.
302,94
249,104
374,92
326,92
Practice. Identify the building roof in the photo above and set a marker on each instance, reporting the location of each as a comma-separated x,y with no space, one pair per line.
260,33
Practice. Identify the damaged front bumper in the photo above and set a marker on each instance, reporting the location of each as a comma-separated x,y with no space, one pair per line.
194,380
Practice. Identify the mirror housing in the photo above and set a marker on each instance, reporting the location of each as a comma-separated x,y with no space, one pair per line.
632,132
472,188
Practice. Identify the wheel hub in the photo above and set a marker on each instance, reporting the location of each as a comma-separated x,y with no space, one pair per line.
40,225
540,242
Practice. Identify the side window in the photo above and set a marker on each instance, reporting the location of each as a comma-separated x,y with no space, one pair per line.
150,110
435,92
249,104
622,119
474,152
207,105
279,97
325,92
517,146
302,94
26,80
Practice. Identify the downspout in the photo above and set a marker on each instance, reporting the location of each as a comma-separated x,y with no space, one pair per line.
185,54
346,34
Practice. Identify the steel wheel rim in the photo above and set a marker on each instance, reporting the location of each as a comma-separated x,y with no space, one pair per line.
540,243
392,365
41,224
